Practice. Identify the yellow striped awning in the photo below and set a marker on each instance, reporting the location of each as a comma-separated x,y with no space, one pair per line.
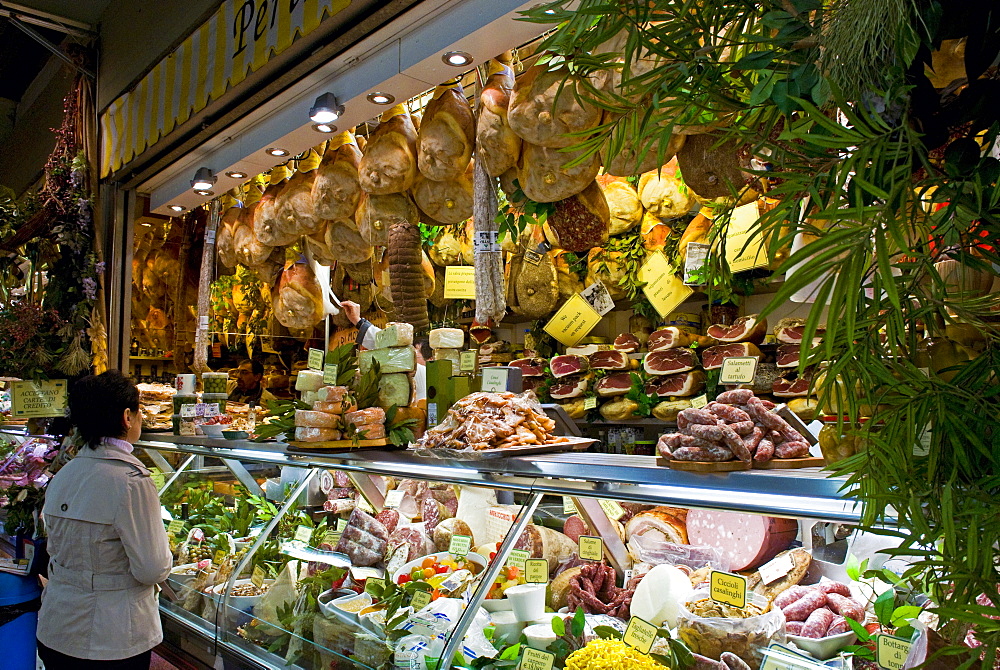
238,39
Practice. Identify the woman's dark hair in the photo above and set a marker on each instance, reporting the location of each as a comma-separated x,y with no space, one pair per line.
96,403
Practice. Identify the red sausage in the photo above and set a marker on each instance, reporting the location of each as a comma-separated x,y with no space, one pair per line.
794,627
735,397
838,626
753,439
789,596
804,606
834,587
765,451
742,428
818,623
692,415
846,607
792,450
733,662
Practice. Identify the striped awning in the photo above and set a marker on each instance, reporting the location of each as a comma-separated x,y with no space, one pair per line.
237,40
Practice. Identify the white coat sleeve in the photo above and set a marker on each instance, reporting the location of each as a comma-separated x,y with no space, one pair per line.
141,531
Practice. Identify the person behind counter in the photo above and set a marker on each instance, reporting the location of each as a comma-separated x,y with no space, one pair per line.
107,545
248,388
366,339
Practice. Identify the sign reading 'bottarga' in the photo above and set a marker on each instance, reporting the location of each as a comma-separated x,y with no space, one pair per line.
37,399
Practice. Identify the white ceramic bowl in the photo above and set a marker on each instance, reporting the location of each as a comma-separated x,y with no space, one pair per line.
497,605
328,601
406,569
825,647
243,603
213,430
180,574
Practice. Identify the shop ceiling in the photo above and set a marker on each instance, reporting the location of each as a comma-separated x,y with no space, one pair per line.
402,59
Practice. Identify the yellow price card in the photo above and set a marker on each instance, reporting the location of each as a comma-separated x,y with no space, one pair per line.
534,659
219,556
612,508
728,588
420,600
744,243
640,634
460,282
664,289
892,651
536,571
257,576
591,548
699,402
574,321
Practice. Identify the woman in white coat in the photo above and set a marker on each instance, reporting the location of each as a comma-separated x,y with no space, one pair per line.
107,545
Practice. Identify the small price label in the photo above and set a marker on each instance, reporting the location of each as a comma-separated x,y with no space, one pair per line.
460,545
536,571
591,548
700,401
376,583
257,576
432,413
303,534
485,241
517,558
365,507
569,507
532,257
494,380
534,659
421,599
612,508
640,634
729,588
590,403
467,361
219,556
341,524
776,568
315,360
738,370
159,479
330,372
175,527
332,538
393,498
891,651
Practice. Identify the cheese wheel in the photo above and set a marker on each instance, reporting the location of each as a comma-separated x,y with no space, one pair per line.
307,434
313,419
331,393
309,380
746,540
453,355
366,416
371,431
446,338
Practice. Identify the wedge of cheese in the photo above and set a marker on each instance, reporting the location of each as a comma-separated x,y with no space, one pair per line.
447,338
394,335
393,359
394,389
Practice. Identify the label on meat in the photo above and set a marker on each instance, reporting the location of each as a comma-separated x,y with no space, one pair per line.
891,651
532,257
776,568
498,521
536,571
534,659
569,507
485,242
738,370
598,297
432,413
612,508
421,599
257,576
591,548
393,498
640,635
728,588
460,545
316,357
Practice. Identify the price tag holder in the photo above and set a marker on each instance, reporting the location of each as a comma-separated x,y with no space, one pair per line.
331,537
517,558
612,508
219,557
569,507
590,403
420,600
532,257
494,380
374,582
303,534
394,498
725,587
534,659
330,373
591,548
341,524
891,651
640,635
738,369
699,402
175,527
467,361
776,568
460,545
459,282
315,360
257,576
536,571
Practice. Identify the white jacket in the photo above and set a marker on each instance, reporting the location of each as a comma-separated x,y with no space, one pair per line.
107,550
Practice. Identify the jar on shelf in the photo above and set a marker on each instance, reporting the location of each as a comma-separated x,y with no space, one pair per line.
836,444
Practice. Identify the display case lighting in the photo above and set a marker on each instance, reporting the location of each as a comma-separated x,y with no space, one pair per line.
326,109
380,98
276,151
177,208
204,179
205,192
324,128
457,58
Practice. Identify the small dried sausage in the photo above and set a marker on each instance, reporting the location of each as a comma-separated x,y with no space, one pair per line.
789,596
765,451
733,662
794,627
834,587
845,607
713,453
818,623
727,413
735,397
692,415
804,606
742,428
753,439
792,450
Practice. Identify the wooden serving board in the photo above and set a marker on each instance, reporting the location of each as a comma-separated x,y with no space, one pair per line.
790,463
337,445
702,466
572,444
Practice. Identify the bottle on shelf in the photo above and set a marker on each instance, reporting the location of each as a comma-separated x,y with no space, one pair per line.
133,349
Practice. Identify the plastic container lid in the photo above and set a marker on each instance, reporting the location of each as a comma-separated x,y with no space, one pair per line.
16,589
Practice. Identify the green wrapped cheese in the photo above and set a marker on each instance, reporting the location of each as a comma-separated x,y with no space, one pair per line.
393,359
394,389
394,335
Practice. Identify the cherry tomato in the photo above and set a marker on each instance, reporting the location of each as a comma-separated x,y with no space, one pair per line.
429,572
428,562
403,579
512,572
441,569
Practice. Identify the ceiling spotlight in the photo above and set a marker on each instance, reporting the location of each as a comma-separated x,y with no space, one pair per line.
326,109
204,179
380,98
275,151
204,192
324,128
177,208
457,58
236,174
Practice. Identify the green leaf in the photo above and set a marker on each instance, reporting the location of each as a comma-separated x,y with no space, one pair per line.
579,623
903,614
884,606
607,633
558,626
858,629
757,60
853,568
511,651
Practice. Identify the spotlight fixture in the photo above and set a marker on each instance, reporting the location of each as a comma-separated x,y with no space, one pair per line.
236,174
380,98
324,128
276,151
205,192
177,208
457,58
326,109
204,179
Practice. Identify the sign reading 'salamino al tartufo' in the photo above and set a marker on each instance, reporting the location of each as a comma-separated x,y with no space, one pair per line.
238,39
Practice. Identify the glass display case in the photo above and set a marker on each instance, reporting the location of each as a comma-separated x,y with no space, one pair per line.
375,559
